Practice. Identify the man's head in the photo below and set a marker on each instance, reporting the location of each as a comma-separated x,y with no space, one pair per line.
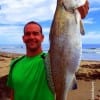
33,22
33,36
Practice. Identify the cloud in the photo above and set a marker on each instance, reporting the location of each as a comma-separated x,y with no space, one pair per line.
15,13
46,31
10,38
25,10
10,34
91,38
89,21
94,9
94,1
10,30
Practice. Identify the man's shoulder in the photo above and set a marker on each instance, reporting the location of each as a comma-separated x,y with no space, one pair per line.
15,60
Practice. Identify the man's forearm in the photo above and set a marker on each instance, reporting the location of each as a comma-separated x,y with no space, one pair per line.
12,95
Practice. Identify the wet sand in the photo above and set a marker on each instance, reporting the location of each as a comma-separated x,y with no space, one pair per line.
87,90
88,79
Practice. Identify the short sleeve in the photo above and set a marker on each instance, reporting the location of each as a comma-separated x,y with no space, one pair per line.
9,80
13,62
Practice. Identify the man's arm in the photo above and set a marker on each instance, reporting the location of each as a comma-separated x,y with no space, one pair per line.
12,95
84,9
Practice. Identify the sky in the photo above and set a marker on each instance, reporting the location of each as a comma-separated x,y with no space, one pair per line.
15,13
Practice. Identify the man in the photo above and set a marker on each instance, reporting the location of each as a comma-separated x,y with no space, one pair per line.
27,76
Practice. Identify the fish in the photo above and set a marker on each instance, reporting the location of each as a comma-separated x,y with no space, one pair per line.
65,47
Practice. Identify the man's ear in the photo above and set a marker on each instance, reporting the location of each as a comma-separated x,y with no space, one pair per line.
42,37
23,38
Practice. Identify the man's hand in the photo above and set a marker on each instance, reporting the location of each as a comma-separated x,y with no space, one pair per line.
84,9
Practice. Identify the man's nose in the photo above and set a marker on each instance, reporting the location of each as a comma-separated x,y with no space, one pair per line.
32,35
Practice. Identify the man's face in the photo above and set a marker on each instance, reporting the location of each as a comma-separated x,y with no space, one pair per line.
33,37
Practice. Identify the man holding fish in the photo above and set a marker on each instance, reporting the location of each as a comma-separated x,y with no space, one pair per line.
28,77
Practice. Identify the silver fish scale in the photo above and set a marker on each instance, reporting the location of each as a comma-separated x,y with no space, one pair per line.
65,50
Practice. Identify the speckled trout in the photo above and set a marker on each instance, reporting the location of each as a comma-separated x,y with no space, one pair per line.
65,46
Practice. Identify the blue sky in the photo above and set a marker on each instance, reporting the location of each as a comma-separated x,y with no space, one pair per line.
15,13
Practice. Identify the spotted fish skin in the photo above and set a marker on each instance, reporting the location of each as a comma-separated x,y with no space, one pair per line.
65,48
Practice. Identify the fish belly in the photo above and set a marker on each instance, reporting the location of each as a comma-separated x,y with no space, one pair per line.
65,51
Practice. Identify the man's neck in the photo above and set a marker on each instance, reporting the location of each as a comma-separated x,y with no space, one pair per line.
31,53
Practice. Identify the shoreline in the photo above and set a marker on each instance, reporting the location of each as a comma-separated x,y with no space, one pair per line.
16,53
12,54
87,67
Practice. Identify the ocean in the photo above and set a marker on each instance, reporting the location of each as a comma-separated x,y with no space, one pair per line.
89,51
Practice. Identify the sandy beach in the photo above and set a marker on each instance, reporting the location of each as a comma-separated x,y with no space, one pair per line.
88,79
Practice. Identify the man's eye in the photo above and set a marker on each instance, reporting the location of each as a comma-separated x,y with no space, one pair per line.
27,33
35,33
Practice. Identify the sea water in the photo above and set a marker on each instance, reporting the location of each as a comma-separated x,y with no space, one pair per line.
89,51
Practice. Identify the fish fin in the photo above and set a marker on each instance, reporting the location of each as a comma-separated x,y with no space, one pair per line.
82,28
74,84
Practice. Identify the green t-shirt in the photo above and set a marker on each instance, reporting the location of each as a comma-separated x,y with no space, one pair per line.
28,79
